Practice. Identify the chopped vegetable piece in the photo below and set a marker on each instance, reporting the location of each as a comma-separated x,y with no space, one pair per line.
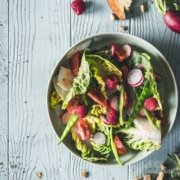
114,149
99,138
65,117
119,145
83,129
69,125
97,97
65,78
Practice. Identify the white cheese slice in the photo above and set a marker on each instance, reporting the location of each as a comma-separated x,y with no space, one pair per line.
65,78
61,92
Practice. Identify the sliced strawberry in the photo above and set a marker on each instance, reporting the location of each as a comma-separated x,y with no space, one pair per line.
72,104
97,97
119,145
150,104
75,63
83,129
111,81
81,110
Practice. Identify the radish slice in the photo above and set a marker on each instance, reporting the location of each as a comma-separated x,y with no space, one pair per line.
139,83
99,138
113,102
65,117
126,52
135,77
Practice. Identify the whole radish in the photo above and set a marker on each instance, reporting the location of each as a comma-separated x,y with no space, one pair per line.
171,11
172,20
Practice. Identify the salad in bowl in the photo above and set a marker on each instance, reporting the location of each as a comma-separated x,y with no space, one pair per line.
108,102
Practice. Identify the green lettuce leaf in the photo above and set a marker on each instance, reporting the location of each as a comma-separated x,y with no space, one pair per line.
143,136
82,147
80,83
97,110
54,100
103,65
149,87
96,74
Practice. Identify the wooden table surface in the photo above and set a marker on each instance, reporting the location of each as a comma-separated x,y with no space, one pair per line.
34,34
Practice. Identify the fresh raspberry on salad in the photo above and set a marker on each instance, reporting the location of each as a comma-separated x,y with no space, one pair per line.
111,82
81,110
112,117
78,6
150,104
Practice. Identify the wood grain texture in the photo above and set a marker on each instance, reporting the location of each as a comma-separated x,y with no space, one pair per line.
4,90
151,27
39,32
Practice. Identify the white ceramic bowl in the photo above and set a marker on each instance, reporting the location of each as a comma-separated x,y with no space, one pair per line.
167,87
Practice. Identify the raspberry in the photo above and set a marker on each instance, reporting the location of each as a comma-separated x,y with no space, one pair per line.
81,110
111,81
112,117
150,104
78,6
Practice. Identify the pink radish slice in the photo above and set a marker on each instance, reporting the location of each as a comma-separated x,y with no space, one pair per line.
65,117
135,77
139,83
126,49
113,102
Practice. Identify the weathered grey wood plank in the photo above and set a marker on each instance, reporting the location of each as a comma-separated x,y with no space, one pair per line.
39,34
4,90
96,19
151,27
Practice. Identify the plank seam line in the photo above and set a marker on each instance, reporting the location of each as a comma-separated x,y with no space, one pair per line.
8,102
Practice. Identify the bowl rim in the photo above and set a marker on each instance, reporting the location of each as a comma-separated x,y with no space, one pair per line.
114,34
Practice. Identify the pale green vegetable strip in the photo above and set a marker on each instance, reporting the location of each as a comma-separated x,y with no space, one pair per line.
73,118
121,104
153,120
114,149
